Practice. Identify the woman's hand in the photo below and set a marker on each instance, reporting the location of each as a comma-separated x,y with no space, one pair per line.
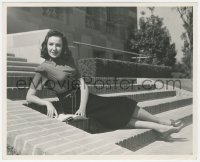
51,110
80,112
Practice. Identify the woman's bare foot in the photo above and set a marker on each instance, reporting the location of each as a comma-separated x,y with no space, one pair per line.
165,121
168,130
170,122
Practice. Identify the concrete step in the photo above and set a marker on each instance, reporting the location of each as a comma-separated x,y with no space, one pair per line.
32,133
181,144
162,105
109,80
19,81
14,93
20,74
19,86
88,80
135,139
10,54
95,89
17,76
20,68
16,59
15,63
107,89
144,95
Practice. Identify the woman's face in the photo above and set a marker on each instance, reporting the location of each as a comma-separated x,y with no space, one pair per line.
54,46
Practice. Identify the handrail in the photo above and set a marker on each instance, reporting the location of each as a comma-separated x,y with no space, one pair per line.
106,48
139,57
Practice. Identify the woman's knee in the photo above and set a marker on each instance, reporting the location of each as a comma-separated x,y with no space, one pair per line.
131,123
135,112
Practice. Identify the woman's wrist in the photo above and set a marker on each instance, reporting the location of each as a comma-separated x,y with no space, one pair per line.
82,108
47,103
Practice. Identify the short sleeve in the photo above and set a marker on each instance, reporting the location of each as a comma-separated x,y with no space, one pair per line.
39,79
40,69
75,65
78,74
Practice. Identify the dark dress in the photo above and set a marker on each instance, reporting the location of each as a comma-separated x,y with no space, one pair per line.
63,78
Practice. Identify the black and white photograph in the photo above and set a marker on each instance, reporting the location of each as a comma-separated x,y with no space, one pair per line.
113,79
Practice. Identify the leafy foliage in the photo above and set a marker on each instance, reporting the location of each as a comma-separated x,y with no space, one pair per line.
97,67
153,40
186,14
179,70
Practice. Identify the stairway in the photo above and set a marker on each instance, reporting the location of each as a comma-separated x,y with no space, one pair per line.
165,102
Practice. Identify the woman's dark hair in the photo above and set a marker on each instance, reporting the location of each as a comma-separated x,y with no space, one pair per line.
65,53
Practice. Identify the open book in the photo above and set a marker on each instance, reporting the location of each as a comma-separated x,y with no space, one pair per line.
69,117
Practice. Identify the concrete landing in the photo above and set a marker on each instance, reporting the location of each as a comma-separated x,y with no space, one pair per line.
181,144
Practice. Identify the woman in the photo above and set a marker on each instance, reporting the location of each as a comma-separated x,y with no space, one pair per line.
59,73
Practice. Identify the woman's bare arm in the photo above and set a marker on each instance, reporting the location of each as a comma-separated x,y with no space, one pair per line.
31,97
84,98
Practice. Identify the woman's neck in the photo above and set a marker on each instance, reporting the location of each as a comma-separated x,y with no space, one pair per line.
57,61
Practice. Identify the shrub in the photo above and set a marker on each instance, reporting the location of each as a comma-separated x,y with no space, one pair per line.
97,67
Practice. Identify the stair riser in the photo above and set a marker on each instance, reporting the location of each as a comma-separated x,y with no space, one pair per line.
20,93
14,78
156,109
22,64
22,83
21,74
90,80
143,139
19,81
16,59
98,89
16,68
10,55
159,108
152,96
109,80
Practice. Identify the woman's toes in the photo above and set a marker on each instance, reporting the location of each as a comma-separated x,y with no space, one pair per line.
168,130
178,128
177,123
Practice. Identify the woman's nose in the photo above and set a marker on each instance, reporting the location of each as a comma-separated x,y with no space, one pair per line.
54,47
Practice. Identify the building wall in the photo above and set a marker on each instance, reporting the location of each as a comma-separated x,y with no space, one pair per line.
93,25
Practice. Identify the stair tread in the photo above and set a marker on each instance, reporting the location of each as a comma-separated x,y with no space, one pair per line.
182,140
20,72
133,93
16,57
83,77
162,101
25,63
90,85
20,66
122,134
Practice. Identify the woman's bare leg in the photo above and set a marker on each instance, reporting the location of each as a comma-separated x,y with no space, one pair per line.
142,114
165,129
